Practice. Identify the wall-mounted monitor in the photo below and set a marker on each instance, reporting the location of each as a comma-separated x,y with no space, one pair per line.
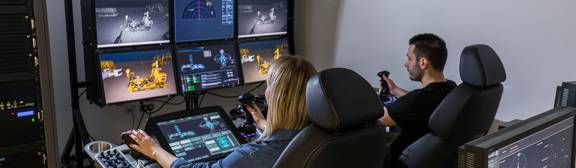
199,20
136,75
257,56
262,17
205,67
131,22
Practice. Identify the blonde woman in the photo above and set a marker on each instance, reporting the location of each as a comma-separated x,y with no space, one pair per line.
285,95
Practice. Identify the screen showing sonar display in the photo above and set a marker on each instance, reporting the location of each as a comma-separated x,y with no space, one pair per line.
198,137
131,22
198,20
257,56
136,75
262,17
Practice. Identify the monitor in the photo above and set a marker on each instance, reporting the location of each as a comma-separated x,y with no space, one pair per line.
136,75
262,17
200,20
131,22
257,56
203,135
209,66
565,95
546,140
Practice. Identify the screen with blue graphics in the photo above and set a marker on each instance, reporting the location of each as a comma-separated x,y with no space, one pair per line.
199,20
198,137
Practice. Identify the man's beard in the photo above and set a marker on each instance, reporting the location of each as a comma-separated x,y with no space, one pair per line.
416,74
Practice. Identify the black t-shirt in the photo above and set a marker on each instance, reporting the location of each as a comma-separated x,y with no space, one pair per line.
412,111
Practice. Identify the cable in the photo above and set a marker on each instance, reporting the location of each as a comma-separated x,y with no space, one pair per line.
232,97
82,93
201,100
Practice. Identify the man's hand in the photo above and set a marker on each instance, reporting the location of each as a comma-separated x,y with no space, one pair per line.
386,119
394,89
257,115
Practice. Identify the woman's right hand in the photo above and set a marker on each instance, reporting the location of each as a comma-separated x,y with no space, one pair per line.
257,115
145,144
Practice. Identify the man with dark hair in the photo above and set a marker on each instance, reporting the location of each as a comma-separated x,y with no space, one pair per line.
427,56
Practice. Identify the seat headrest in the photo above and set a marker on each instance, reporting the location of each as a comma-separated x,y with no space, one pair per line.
481,67
339,98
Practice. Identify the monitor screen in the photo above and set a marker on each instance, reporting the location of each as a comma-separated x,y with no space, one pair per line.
550,147
257,56
198,20
131,22
262,17
136,75
208,67
198,137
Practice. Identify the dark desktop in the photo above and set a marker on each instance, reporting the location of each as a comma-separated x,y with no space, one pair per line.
137,75
131,22
262,17
197,20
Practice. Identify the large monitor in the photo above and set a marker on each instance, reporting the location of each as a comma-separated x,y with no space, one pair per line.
546,140
208,66
203,135
131,22
257,56
262,17
199,20
135,75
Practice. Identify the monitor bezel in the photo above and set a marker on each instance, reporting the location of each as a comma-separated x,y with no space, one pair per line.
154,130
509,135
125,50
238,63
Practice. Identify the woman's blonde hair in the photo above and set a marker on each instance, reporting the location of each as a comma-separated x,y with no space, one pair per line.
286,94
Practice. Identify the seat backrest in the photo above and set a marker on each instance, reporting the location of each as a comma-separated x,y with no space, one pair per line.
344,132
466,113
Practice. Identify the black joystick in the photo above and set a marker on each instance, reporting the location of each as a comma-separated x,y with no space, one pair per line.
385,96
248,128
127,139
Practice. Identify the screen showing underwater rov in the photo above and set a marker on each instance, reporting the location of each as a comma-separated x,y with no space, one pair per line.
262,17
131,22
136,75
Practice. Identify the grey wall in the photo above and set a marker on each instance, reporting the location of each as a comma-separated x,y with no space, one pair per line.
316,23
533,38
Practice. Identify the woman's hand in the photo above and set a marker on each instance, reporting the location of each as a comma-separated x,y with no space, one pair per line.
145,144
257,115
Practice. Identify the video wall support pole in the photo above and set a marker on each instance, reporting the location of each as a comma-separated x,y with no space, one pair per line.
79,135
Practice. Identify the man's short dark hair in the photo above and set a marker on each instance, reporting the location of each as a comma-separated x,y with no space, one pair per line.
431,47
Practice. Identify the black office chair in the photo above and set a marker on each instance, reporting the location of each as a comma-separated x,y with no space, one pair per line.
465,114
344,110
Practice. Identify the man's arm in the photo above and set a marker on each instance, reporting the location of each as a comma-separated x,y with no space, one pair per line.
386,119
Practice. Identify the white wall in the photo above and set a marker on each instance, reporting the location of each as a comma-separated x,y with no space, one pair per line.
534,39
314,41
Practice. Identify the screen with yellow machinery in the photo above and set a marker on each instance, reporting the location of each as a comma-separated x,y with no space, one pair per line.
257,56
136,75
